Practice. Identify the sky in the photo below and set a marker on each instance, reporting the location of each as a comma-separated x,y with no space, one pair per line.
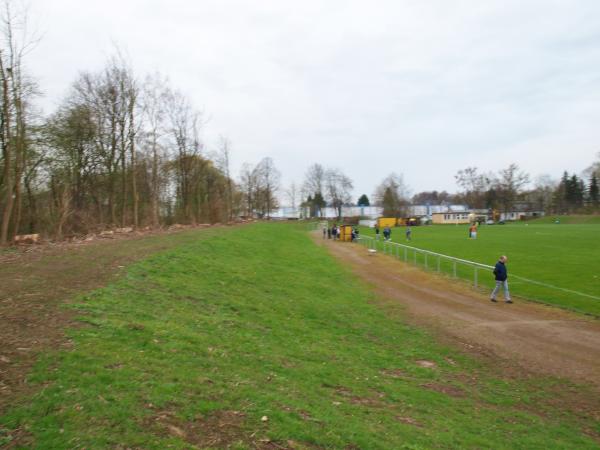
420,88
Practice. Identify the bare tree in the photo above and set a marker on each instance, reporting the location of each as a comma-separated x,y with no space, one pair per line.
155,93
7,153
594,168
314,180
184,123
393,195
338,189
474,186
269,178
248,186
510,185
542,194
223,160
17,42
292,195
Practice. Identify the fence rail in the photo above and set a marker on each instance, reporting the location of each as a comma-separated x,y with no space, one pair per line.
433,261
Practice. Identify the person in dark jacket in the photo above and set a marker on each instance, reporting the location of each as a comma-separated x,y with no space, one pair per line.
501,275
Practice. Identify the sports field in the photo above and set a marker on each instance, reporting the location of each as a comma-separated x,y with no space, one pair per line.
566,255
255,337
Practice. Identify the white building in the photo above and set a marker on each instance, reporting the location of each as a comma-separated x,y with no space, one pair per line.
520,215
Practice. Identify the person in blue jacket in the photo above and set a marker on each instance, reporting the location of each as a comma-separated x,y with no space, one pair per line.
501,275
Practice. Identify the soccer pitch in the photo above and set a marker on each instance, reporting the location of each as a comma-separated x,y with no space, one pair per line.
565,255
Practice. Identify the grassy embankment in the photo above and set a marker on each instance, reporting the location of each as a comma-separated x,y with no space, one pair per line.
192,347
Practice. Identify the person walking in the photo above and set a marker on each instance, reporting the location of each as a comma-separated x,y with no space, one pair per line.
377,232
325,232
408,233
501,275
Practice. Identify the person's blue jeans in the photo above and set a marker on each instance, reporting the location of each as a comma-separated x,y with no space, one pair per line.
504,285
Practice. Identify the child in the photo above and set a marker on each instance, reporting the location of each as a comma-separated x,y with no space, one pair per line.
473,231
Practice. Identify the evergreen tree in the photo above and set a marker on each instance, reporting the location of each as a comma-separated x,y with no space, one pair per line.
319,202
390,204
363,200
561,195
575,192
311,205
593,194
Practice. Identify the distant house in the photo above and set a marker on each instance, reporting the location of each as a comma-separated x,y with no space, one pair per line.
451,217
288,213
428,210
371,212
520,215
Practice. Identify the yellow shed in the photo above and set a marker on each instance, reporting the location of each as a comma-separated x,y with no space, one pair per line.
383,222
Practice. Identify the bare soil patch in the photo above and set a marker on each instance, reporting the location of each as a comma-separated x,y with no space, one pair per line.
220,429
447,389
36,280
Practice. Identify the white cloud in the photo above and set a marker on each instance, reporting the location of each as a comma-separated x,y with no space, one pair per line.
423,88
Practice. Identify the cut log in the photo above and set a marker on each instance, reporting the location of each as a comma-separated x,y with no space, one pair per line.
27,238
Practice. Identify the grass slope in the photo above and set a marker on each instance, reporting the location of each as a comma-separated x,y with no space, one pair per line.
585,219
563,255
194,346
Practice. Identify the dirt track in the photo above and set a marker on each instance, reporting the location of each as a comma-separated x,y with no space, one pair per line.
538,338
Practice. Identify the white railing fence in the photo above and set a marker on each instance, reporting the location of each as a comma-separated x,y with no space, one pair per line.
426,258
456,267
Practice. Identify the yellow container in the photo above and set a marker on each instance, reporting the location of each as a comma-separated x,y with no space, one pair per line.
383,222
346,233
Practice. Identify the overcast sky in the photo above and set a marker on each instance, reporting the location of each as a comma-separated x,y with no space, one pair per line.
421,88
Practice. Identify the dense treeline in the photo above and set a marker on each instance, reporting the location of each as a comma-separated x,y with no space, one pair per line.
508,189
126,151
119,151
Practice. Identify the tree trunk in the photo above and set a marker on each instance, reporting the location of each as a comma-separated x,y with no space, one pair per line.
134,191
6,150
154,182
19,162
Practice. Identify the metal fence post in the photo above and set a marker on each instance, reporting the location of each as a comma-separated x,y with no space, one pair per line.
405,254
397,251
475,277
438,263
415,257
454,268
426,265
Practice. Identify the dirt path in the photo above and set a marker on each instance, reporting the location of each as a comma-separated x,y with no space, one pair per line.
539,338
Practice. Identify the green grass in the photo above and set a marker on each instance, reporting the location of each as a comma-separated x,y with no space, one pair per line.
573,219
563,255
263,322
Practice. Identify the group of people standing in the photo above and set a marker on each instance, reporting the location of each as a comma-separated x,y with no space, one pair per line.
335,233
500,270
387,233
